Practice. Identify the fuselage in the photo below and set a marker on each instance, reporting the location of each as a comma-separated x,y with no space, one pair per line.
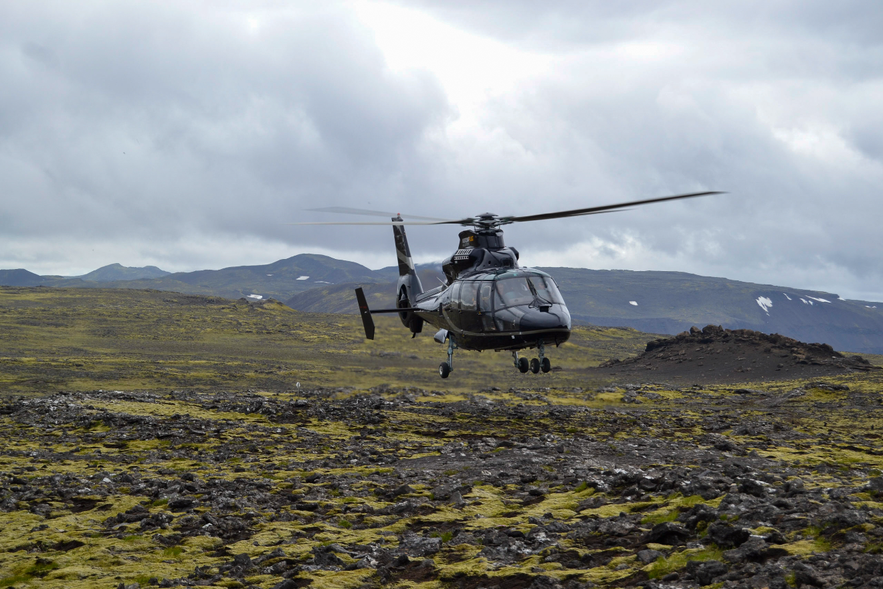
500,309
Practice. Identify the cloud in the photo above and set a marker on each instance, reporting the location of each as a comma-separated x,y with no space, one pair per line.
149,129
169,117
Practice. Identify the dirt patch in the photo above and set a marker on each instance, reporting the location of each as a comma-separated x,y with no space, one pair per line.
714,355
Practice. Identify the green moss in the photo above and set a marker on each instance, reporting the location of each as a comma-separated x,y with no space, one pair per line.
39,569
173,552
14,580
679,560
671,508
660,516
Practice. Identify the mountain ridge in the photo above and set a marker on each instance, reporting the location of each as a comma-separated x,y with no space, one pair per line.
115,272
650,301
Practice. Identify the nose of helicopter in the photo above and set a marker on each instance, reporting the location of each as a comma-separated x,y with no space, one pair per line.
535,319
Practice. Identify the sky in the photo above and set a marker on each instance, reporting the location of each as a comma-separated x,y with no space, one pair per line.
194,135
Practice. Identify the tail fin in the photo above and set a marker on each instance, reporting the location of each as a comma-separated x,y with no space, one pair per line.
407,272
367,320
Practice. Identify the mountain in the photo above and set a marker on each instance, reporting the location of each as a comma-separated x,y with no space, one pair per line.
279,280
671,302
114,272
380,292
20,277
655,302
109,273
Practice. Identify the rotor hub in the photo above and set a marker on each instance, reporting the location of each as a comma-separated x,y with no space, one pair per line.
488,221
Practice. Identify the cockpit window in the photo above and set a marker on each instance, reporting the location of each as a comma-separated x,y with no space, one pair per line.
512,292
526,290
546,289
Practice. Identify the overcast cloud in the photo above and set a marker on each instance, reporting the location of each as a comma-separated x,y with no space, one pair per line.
186,135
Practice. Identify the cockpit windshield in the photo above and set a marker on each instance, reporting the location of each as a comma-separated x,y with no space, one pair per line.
525,290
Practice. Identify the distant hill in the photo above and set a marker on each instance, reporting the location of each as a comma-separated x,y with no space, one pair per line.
114,272
279,280
20,277
671,302
653,302
380,292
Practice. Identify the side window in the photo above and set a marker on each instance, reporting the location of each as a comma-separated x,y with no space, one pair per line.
485,296
469,296
455,296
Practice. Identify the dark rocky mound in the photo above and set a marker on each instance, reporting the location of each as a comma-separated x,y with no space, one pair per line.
717,355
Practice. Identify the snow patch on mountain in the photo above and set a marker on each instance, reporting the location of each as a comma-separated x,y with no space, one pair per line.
765,303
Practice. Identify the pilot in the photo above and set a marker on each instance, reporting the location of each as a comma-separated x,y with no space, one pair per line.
514,291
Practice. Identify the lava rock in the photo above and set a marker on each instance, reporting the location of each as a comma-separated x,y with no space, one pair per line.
705,572
668,533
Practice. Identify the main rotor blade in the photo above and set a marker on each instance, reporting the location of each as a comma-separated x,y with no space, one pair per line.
496,221
602,208
469,221
386,223
351,211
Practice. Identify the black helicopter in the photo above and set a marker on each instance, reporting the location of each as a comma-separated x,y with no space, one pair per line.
489,302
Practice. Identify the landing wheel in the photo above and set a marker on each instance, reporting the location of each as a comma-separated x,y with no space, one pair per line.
545,365
523,365
444,369
535,366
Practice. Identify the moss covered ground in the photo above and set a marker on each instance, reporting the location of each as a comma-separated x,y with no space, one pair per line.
180,452
82,339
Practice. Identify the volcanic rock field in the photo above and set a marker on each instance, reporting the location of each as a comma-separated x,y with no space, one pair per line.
152,440
634,485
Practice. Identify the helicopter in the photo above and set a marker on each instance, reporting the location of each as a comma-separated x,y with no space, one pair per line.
488,301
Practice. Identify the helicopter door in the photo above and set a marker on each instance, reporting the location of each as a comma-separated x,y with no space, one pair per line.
451,307
469,316
485,306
